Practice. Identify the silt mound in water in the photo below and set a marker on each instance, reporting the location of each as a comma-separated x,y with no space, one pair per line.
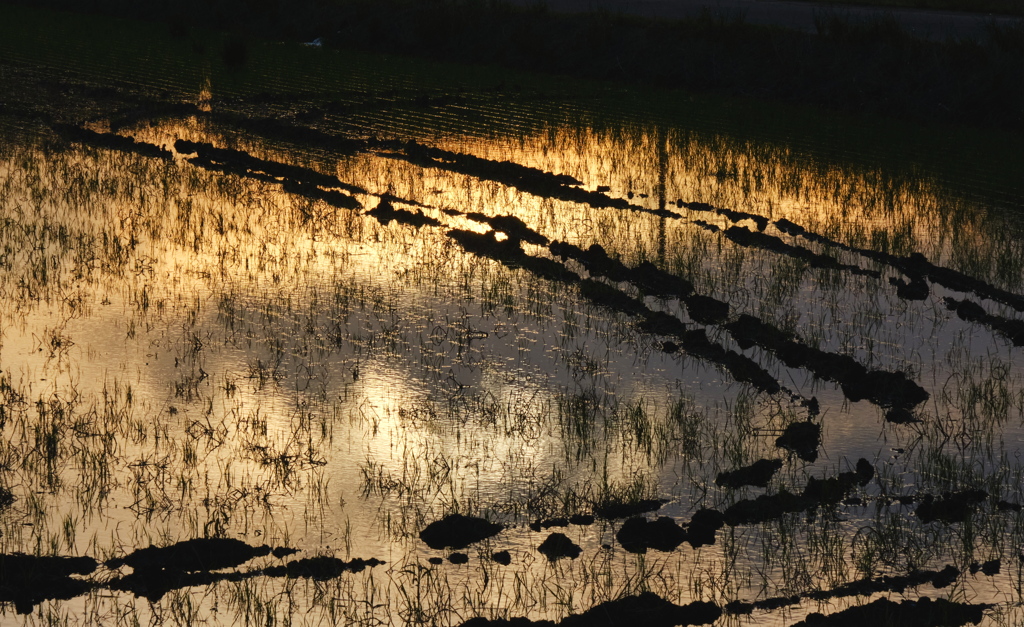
558,545
27,580
647,609
457,531
924,612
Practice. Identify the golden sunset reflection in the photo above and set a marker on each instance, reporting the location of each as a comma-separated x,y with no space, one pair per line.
188,352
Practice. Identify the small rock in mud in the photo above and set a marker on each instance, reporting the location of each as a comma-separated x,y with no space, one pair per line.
639,534
457,531
502,557
802,438
458,558
435,560
757,474
558,545
581,519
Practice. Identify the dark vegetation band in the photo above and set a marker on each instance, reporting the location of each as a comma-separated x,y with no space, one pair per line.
874,67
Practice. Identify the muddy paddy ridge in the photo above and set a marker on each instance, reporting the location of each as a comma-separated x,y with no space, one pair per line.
490,356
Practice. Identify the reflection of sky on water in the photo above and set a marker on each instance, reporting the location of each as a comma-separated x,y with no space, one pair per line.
307,375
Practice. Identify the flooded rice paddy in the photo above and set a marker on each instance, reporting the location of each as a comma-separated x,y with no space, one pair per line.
408,356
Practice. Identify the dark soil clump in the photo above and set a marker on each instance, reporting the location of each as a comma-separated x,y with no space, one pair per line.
953,507
757,474
611,510
818,492
891,390
385,213
663,534
703,526
990,568
558,545
321,568
802,438
973,312
924,612
751,239
647,609
457,531
196,555
639,534
112,141
548,523
27,580
511,226
502,557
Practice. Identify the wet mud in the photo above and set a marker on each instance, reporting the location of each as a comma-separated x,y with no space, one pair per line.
694,342
893,391
951,507
501,557
802,438
817,493
28,580
638,534
862,587
924,612
456,531
514,228
386,213
763,241
558,545
916,267
199,554
970,311
111,141
760,222
757,474
643,609
294,179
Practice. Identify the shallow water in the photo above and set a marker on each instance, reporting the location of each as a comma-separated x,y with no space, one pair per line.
192,353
